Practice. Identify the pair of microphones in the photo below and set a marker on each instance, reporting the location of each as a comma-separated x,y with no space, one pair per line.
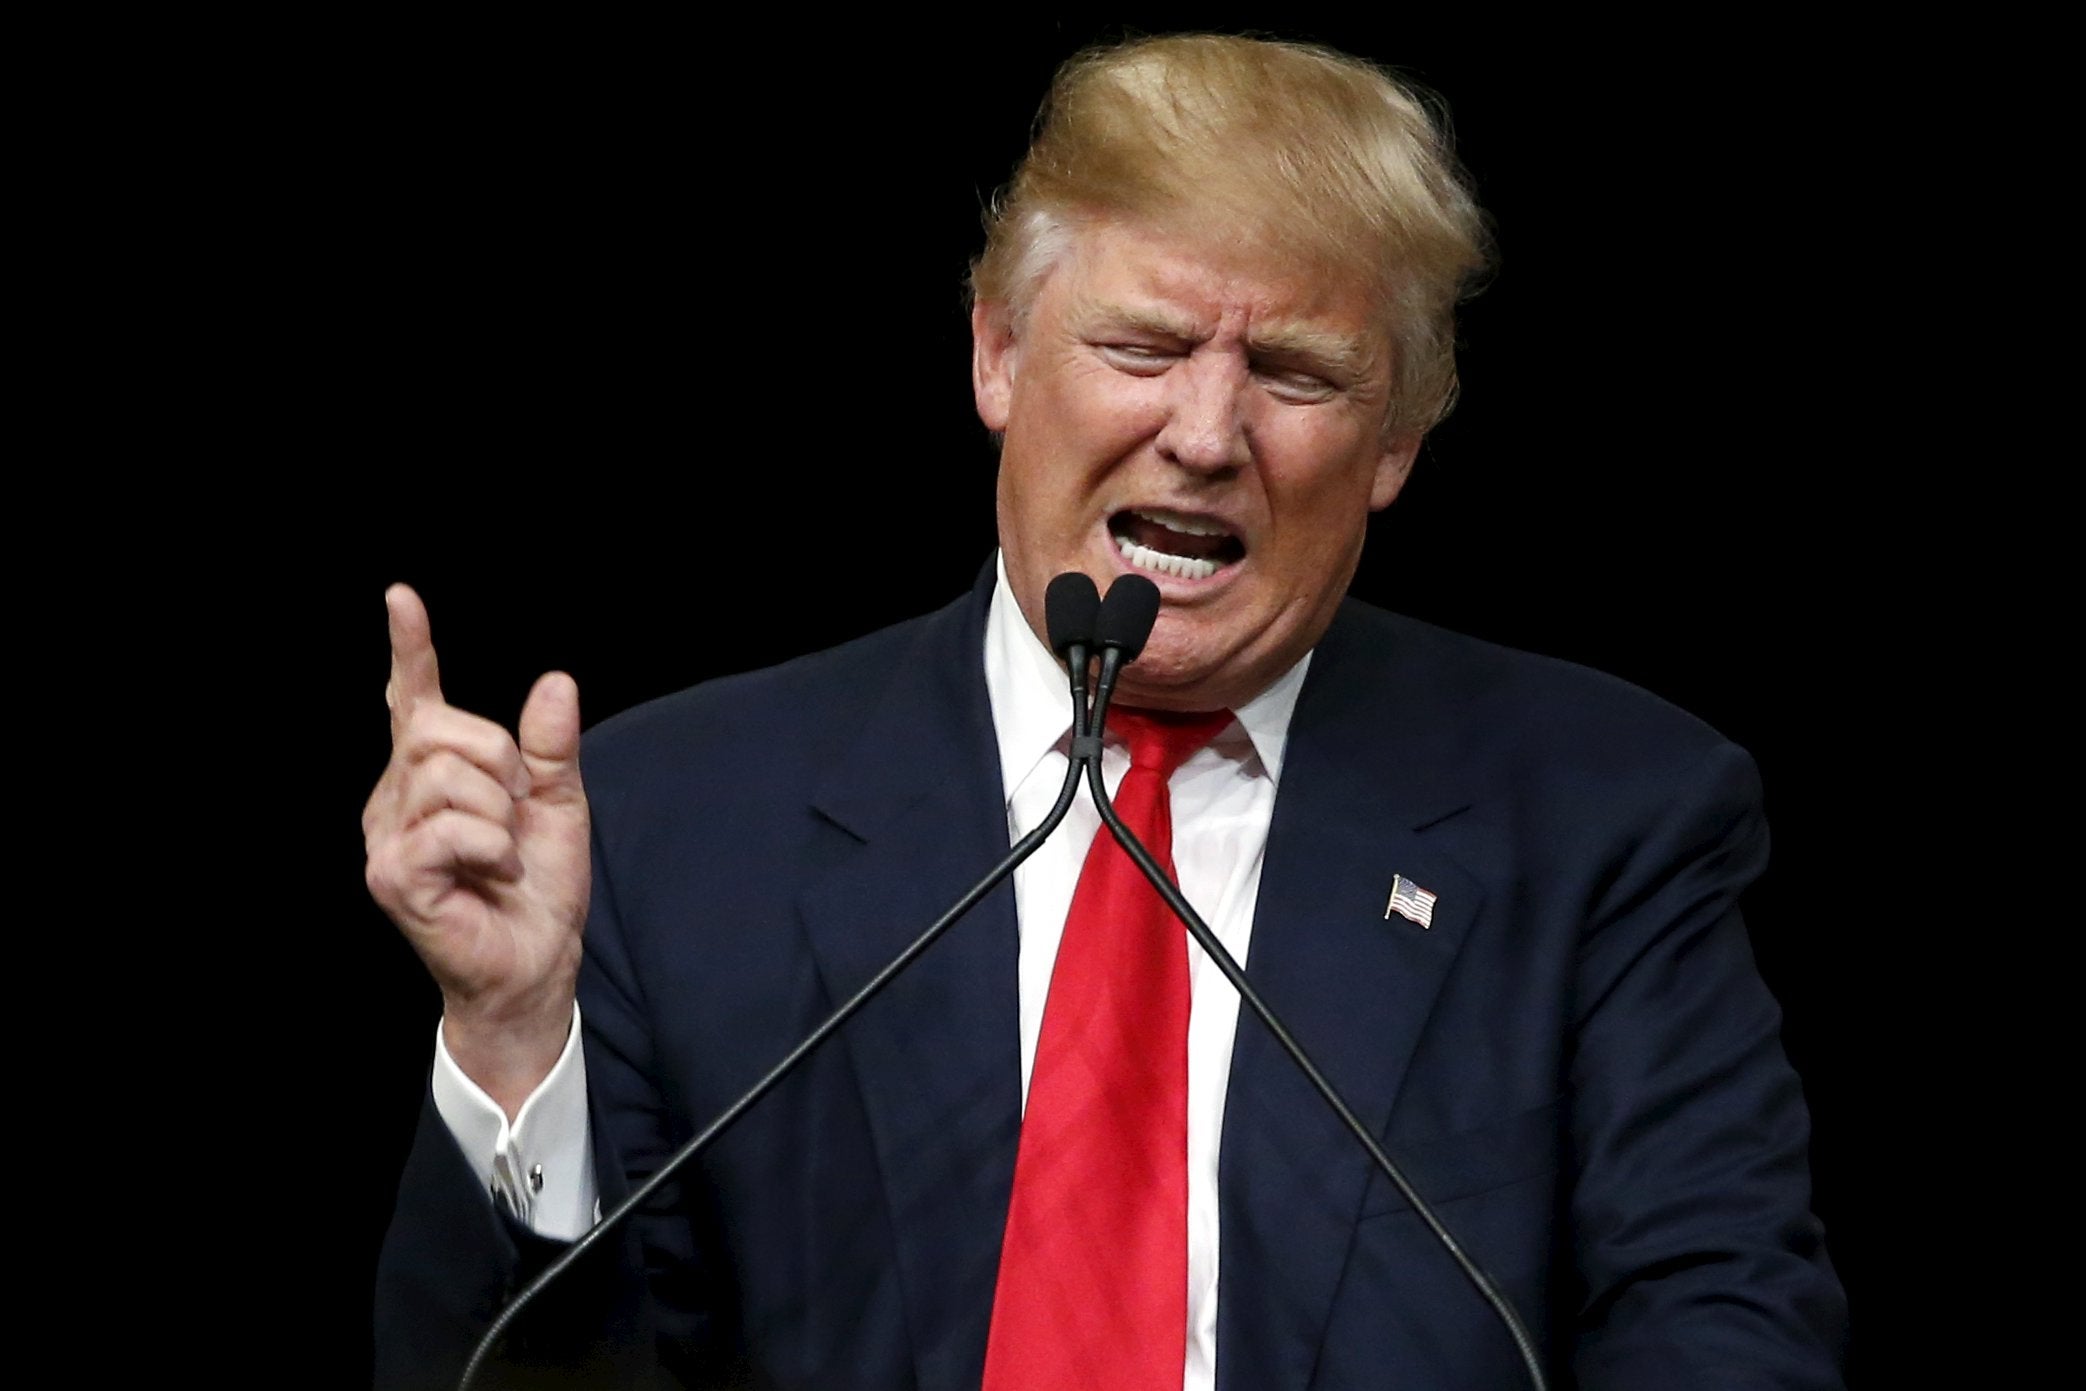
1081,626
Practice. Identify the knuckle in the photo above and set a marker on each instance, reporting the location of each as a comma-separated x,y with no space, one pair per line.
432,839
380,875
420,734
381,806
466,839
426,848
433,772
451,781
437,731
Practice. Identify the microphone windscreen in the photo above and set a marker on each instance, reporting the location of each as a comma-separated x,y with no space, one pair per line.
1128,613
1070,605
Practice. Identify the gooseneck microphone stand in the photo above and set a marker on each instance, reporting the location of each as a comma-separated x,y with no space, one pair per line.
1070,605
1126,620
1076,616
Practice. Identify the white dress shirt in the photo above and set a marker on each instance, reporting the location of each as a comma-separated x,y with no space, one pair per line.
1222,800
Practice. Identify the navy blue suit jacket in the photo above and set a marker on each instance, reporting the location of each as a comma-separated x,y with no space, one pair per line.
1577,1062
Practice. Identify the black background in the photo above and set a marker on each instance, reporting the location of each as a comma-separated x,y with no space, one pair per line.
600,337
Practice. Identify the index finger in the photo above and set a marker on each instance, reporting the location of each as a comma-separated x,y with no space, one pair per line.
414,675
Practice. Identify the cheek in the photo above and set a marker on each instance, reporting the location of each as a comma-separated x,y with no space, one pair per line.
1320,517
1042,507
1101,413
1032,490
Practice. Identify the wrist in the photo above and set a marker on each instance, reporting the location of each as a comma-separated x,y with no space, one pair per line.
507,1052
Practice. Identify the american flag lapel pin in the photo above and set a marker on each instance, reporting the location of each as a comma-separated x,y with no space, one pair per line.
1409,901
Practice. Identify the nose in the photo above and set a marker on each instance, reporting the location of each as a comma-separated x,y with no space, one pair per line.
1205,429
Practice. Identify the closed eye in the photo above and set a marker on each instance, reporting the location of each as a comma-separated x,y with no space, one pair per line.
1295,385
1140,359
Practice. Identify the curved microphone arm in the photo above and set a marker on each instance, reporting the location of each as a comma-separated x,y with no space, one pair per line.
1022,849
1207,940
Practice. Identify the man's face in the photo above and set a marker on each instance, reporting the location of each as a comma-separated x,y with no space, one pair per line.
1209,419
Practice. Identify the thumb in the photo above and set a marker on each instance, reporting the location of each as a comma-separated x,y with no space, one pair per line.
550,737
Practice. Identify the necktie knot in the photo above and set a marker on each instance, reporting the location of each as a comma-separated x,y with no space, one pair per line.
1160,741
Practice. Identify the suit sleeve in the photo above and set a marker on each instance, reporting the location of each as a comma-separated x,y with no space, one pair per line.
632,1312
1700,1261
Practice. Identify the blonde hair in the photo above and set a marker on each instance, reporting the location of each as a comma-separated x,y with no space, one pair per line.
1312,155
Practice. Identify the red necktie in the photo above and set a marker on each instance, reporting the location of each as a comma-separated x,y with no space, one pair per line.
1093,1280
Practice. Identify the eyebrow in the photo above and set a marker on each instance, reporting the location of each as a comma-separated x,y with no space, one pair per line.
1341,353
1143,319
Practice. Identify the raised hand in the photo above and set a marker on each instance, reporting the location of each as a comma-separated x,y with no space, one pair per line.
478,851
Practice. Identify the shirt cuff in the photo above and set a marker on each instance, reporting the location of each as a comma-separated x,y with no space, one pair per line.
542,1165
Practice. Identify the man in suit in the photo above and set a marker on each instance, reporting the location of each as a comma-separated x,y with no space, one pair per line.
1212,324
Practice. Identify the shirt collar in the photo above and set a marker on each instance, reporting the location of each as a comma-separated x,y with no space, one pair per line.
1032,709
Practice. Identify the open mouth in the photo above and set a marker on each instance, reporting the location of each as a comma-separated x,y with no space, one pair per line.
1174,543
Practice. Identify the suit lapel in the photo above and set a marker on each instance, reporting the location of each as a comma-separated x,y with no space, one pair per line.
1364,773
919,817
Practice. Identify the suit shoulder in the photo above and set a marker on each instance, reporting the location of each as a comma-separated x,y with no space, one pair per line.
790,714
1526,707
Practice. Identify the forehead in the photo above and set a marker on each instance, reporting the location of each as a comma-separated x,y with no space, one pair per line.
1197,287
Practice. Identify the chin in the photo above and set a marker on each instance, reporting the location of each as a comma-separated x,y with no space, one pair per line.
1165,679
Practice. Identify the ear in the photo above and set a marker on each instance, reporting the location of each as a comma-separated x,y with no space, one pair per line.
992,363
1393,467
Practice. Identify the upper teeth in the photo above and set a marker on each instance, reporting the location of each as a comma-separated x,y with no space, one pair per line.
1174,521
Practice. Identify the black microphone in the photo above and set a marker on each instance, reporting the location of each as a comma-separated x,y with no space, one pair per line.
1125,624
1127,616
1071,604
1124,627
1070,609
